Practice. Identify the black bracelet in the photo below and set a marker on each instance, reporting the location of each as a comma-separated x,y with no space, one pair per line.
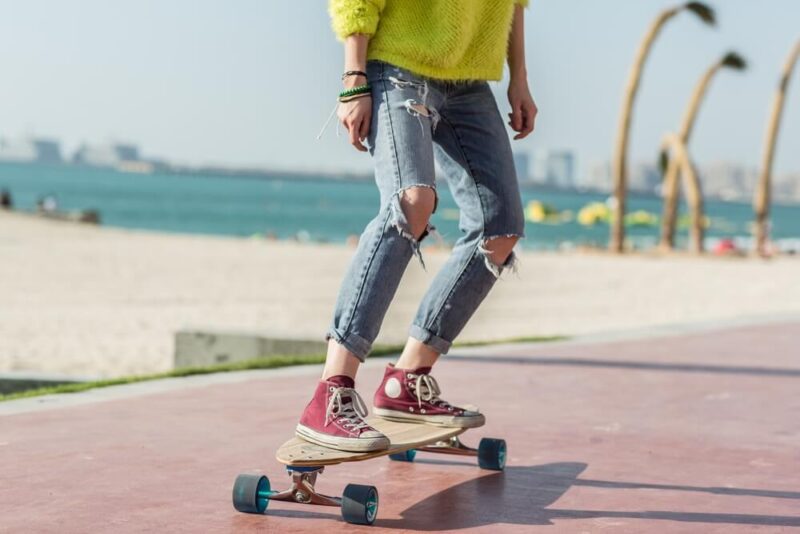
354,73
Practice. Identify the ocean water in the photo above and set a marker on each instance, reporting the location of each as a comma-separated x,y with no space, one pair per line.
318,210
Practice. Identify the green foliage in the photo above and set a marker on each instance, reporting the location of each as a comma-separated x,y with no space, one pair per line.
732,60
705,12
663,162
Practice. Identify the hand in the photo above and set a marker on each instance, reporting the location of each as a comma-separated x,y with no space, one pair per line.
356,116
523,108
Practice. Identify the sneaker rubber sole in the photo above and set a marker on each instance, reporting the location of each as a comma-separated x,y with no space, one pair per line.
450,421
342,444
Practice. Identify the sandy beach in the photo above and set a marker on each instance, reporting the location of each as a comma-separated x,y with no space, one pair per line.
93,301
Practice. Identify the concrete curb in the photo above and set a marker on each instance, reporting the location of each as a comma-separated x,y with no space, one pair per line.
151,387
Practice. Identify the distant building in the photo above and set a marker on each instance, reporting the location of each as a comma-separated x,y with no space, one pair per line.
127,152
599,177
108,155
786,187
522,163
644,178
728,181
31,150
555,168
561,169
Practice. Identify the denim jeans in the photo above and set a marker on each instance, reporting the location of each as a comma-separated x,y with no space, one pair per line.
415,122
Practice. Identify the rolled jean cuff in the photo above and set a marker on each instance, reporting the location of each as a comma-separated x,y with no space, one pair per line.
352,342
429,338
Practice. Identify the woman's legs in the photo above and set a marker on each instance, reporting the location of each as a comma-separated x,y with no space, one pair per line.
473,150
401,145
417,354
417,204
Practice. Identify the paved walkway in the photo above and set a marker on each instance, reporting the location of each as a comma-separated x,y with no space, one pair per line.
697,432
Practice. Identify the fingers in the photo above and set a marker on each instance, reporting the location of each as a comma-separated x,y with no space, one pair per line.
355,138
516,117
353,127
529,112
363,132
356,121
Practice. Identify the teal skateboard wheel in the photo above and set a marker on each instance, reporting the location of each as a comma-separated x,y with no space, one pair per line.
360,504
405,456
492,454
251,494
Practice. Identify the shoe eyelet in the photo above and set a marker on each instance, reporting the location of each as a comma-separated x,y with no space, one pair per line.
410,408
331,389
409,376
422,410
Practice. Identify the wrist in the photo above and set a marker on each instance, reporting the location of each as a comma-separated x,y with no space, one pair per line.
518,84
354,81
519,75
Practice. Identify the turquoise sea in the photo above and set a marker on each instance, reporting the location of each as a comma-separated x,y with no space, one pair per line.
318,210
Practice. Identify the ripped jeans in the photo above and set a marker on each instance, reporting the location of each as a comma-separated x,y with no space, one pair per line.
416,121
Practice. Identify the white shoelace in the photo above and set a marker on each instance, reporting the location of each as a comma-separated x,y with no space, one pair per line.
352,412
426,388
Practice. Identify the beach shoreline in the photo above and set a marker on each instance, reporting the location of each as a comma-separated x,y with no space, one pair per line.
82,300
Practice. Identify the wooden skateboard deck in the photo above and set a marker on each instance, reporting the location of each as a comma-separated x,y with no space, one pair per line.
403,436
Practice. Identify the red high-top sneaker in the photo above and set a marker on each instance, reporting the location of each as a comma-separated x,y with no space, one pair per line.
335,418
412,396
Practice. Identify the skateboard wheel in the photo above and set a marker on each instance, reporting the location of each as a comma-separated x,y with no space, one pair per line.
251,494
405,456
360,504
492,454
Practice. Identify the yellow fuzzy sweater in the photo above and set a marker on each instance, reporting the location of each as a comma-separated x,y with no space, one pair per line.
443,39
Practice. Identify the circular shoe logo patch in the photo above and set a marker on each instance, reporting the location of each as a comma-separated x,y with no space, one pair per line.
392,388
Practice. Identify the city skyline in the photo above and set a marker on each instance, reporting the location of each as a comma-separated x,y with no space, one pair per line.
555,168
213,88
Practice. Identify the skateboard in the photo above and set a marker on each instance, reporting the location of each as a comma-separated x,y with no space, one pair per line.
305,461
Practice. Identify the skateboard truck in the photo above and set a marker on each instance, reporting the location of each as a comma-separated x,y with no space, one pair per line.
252,493
302,489
491,452
450,446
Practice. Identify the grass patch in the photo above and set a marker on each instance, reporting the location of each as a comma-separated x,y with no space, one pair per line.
271,362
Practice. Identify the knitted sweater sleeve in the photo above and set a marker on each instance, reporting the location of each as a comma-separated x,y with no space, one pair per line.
355,16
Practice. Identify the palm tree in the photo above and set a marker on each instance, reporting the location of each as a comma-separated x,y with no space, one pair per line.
706,14
731,60
682,164
762,196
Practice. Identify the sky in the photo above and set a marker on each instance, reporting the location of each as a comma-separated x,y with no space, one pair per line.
250,82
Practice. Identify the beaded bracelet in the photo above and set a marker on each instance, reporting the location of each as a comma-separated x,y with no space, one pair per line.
359,89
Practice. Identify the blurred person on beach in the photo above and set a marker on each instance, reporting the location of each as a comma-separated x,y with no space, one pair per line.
5,200
416,92
47,204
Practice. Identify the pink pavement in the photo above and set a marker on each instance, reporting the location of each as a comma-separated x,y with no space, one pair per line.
689,433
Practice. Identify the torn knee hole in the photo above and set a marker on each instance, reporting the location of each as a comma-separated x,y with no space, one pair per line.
411,209
418,204
498,253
